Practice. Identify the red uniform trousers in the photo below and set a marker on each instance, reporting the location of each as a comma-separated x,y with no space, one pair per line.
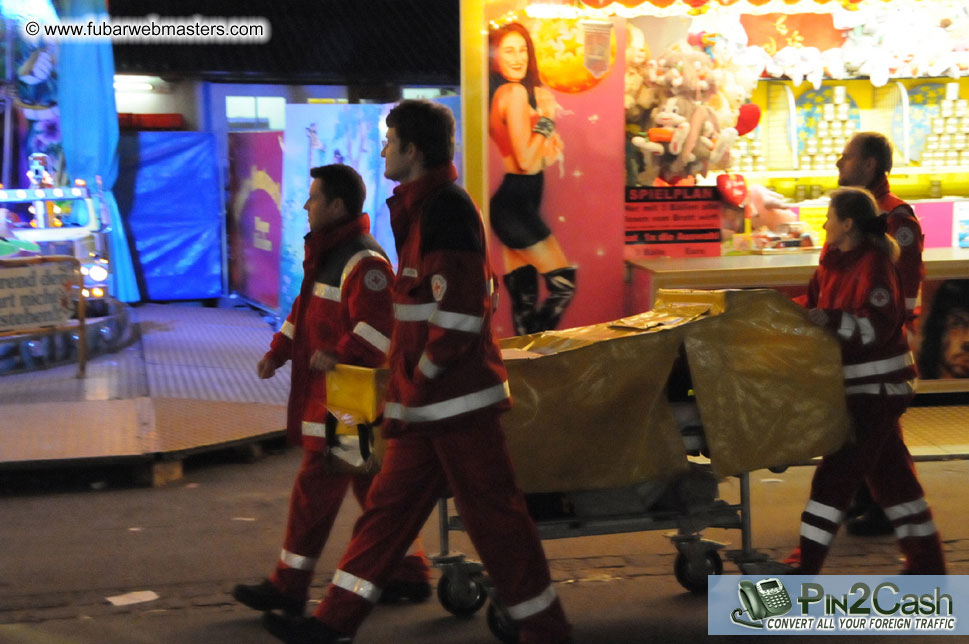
317,496
879,457
473,463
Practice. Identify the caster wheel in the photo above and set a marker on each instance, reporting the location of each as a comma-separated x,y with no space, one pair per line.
694,577
501,625
461,600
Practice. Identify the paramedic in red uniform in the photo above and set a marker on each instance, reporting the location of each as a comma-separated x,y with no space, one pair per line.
344,313
855,294
446,393
865,163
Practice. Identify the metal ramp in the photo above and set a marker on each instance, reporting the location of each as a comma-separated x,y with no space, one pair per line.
187,383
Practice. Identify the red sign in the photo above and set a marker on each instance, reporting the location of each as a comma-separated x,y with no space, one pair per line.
672,222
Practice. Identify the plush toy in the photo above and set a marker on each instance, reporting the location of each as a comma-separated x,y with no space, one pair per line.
765,208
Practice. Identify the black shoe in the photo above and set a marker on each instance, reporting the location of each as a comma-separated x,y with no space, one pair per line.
266,596
398,592
871,523
302,630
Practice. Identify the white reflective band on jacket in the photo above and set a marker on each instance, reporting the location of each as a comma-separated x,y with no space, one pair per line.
908,508
376,339
533,606
448,408
335,293
414,312
879,367
356,585
356,257
428,368
287,329
851,323
456,321
299,562
890,388
911,303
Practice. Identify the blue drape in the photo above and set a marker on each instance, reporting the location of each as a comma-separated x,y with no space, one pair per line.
89,131
168,193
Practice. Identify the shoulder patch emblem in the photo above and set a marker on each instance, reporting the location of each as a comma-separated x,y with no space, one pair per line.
375,280
879,297
438,287
904,236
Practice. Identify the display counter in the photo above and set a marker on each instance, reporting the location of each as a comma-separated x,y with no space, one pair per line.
645,276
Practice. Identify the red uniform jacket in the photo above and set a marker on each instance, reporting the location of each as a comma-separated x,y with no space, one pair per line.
904,226
860,293
344,306
444,360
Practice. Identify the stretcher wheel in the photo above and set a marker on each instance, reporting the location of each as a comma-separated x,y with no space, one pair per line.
460,599
501,625
693,575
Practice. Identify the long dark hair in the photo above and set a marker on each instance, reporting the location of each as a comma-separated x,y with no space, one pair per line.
495,79
860,206
953,294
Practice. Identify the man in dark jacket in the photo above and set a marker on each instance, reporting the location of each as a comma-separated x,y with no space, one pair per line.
446,393
343,314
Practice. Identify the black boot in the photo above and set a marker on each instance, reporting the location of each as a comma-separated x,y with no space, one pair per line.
522,285
561,289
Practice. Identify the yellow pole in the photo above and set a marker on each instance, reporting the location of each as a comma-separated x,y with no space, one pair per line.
474,101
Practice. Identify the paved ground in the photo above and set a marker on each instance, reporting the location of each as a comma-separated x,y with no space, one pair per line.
72,539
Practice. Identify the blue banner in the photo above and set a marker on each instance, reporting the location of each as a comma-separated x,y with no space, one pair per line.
902,605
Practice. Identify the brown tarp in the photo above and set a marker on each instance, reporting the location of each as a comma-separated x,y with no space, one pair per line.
591,408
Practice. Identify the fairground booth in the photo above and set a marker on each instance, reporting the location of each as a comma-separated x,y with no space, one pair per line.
615,149
695,140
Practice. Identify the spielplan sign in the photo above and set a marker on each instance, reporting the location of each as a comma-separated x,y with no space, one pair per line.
838,605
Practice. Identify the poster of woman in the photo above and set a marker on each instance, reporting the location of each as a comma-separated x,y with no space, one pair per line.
554,122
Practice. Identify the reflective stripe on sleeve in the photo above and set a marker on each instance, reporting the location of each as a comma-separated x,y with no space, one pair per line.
287,329
533,606
456,321
915,529
299,562
373,336
848,326
354,259
326,291
818,535
826,512
867,331
909,508
890,388
911,303
448,408
309,428
878,367
356,585
428,368
414,312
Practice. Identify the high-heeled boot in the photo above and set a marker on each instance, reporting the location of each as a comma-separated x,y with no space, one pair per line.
522,285
561,289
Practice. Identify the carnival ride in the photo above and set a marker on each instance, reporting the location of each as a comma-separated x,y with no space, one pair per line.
45,220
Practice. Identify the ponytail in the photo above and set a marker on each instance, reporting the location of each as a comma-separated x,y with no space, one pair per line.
860,206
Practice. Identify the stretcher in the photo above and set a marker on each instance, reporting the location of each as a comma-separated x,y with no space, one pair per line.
628,426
